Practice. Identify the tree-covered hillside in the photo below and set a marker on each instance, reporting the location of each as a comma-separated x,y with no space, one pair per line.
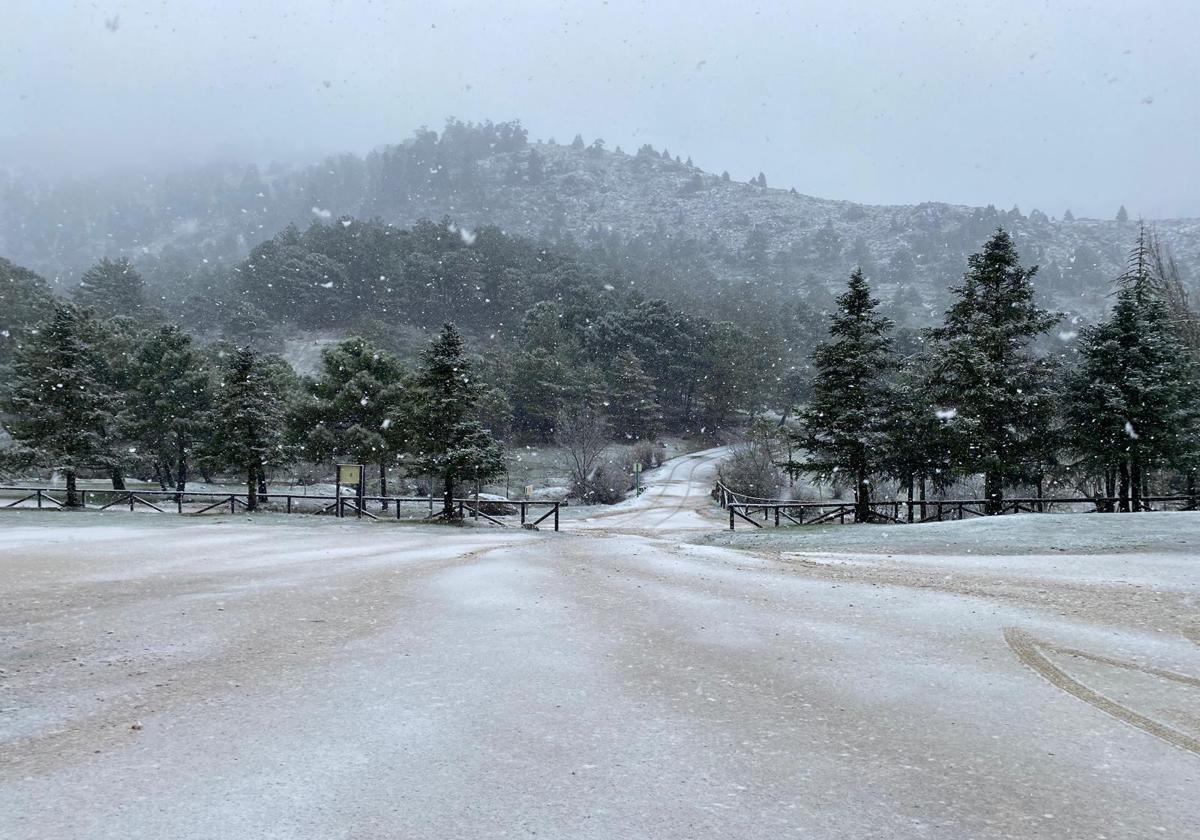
690,233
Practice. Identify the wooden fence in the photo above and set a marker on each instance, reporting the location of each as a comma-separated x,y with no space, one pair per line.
751,510
198,502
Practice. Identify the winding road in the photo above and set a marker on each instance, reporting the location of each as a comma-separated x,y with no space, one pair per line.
631,677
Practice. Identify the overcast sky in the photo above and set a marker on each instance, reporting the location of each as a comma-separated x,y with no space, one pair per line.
1040,103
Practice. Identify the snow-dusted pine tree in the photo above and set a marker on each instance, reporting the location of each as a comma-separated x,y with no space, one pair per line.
448,441
112,287
1132,402
63,411
250,411
355,407
633,410
843,428
170,415
985,378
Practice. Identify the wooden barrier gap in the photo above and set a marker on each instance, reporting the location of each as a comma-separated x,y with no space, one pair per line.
326,503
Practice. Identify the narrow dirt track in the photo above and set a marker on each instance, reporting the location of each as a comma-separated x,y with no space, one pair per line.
292,678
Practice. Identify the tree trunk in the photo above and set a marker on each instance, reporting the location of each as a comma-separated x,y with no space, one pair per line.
922,496
1123,486
911,482
1041,491
72,492
181,469
160,475
1110,488
862,499
1191,489
1135,484
993,491
383,484
262,482
252,487
448,498
118,478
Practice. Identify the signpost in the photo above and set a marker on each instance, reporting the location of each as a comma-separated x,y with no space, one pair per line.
637,477
354,477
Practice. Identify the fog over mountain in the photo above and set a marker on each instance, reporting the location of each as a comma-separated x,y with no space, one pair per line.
683,232
1050,106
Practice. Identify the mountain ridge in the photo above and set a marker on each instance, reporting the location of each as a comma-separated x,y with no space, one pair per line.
704,228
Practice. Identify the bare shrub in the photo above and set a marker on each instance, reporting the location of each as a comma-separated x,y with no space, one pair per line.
751,471
584,437
649,454
607,485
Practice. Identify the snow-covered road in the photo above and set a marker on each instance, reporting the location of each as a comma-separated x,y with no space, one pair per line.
298,678
678,497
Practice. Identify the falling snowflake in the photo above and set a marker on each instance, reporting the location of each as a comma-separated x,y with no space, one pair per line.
1129,430
946,413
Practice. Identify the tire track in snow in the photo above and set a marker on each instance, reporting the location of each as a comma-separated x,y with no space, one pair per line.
1029,651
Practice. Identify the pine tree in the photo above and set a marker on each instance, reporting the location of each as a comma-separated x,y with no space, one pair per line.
633,410
914,448
448,441
171,407
112,287
25,300
1122,214
1068,216
355,407
984,373
248,325
250,419
844,425
1132,402
63,410
116,341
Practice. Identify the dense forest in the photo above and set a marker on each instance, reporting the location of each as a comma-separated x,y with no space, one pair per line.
550,338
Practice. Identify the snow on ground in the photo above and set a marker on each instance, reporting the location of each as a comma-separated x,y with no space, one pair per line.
630,677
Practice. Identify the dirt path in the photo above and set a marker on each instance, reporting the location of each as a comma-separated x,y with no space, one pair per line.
678,497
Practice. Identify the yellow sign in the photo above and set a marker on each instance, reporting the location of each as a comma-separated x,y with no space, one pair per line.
349,474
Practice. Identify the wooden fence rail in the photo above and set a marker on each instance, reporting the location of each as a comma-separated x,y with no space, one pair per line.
776,511
492,510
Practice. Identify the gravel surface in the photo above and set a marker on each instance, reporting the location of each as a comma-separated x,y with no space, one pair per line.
168,677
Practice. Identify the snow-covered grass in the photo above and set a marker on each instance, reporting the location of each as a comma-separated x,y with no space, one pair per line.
1040,533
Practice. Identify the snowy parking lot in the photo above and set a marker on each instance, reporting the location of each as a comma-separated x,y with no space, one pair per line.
638,675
